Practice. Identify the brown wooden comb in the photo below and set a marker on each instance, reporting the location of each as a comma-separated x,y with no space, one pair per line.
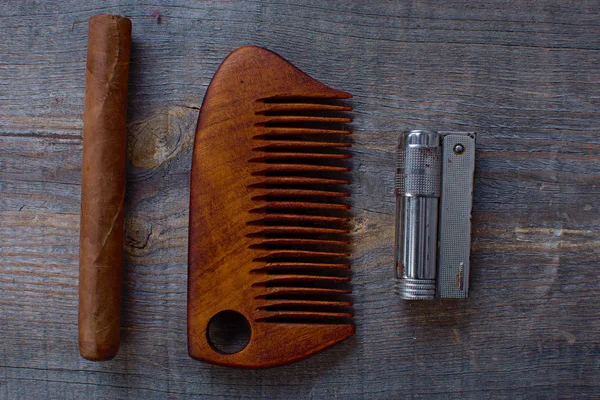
268,221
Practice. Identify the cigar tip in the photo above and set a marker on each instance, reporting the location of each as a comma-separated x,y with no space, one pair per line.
108,18
91,351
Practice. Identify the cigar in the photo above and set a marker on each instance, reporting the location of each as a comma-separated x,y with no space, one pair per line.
103,186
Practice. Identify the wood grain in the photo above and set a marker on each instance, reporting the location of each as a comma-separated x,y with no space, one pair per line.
247,263
524,75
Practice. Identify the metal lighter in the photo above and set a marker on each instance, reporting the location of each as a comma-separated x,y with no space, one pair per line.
434,194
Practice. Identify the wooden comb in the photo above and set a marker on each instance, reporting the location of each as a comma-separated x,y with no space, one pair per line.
268,221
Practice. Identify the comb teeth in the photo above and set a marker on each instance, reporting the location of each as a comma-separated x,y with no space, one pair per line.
283,144
267,106
300,168
270,120
300,180
271,130
301,233
297,218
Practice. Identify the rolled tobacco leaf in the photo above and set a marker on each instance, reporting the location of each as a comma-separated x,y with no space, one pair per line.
103,186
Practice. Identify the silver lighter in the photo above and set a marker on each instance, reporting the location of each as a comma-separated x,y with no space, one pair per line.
434,193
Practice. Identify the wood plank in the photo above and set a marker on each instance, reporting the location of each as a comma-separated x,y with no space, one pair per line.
525,75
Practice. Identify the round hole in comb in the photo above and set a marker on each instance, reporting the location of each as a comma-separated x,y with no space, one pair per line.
228,332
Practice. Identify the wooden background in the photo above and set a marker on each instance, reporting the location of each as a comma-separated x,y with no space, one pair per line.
524,75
